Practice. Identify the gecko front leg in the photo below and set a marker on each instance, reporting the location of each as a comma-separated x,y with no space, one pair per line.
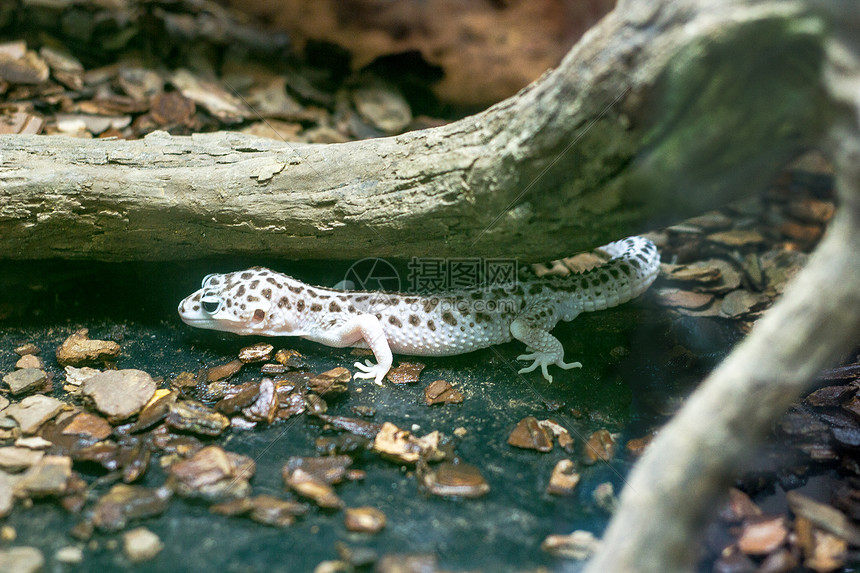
368,328
545,349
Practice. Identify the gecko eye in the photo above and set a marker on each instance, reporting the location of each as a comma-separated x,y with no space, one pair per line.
210,302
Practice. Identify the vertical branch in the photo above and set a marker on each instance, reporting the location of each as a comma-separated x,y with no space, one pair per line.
673,489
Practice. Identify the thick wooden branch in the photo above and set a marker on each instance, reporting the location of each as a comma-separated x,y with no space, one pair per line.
674,488
661,111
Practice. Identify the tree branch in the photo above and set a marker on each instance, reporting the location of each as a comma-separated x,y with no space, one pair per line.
661,111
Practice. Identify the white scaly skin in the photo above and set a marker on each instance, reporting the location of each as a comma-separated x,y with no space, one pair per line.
264,302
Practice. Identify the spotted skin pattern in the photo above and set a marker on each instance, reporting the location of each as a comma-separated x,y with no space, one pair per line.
263,302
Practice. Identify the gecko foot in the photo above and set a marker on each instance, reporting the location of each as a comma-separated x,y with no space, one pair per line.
369,370
544,359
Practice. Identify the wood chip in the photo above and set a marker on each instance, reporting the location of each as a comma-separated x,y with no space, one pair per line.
441,392
529,434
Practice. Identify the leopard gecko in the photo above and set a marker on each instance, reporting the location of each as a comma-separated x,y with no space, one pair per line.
264,302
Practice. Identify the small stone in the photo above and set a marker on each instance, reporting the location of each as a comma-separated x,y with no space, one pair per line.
270,510
26,380
460,431
604,496
69,554
192,416
29,361
259,352
77,376
79,349
141,544
579,545
364,519
155,410
332,382
407,563
829,552
49,476
454,480
119,394
564,478
13,459
33,411
28,348
125,502
7,498
23,559
599,447
529,434
737,238
405,373
441,392
762,535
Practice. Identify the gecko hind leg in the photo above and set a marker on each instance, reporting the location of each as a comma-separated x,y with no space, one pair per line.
544,348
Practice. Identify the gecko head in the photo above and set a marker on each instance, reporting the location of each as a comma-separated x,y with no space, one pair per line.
240,302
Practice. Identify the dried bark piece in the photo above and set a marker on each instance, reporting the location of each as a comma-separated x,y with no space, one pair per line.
22,559
600,446
14,459
28,69
355,426
740,302
331,382
77,376
126,502
763,535
290,358
224,371
265,406
25,380
33,411
737,238
529,434
47,477
28,349
675,297
578,545
383,106
215,99
327,469
270,510
192,416
308,486
564,478
170,109
453,480
823,516
155,410
79,349
21,122
119,394
29,361
259,352
213,474
441,392
405,373
401,445
739,507
238,397
364,519
88,426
